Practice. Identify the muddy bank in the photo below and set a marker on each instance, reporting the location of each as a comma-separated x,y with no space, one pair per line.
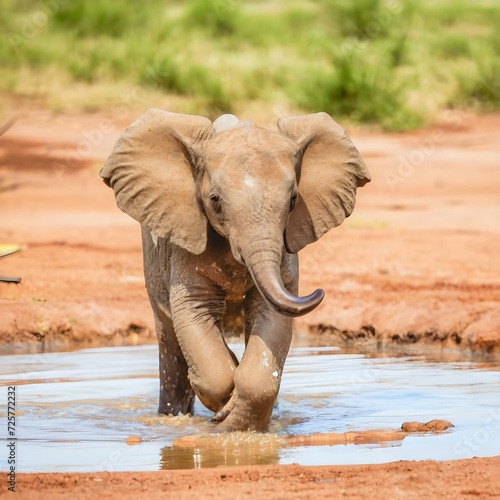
417,263
415,266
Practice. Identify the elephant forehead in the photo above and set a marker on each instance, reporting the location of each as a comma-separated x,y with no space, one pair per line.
252,148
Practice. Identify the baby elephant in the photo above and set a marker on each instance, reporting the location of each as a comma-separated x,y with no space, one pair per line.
224,209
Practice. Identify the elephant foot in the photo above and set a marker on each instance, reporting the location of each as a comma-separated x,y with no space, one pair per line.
220,416
241,415
175,404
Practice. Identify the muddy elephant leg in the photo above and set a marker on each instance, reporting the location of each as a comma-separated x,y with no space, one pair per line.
176,394
258,377
211,364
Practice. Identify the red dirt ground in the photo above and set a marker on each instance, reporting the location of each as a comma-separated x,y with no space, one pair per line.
475,478
416,266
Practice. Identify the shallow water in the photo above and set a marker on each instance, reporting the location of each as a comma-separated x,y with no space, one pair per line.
75,411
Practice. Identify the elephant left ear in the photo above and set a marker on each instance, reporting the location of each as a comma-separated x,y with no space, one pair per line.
331,171
152,171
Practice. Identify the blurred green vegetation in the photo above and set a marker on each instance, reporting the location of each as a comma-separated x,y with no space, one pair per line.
395,63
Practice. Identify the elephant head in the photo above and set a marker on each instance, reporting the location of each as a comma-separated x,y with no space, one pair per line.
267,192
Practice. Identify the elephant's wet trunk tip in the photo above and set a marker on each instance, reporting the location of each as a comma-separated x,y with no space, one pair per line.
265,269
268,282
298,306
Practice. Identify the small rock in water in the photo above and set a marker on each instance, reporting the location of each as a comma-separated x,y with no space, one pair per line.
432,425
133,440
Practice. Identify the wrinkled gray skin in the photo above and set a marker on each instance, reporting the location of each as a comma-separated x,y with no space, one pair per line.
224,209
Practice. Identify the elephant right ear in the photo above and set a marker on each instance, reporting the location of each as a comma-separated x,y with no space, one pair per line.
331,171
151,170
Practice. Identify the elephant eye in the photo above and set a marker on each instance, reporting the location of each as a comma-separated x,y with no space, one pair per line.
293,199
216,204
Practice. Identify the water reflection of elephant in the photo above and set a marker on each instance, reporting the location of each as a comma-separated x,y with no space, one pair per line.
215,453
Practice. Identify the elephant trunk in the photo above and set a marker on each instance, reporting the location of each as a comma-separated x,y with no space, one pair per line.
264,267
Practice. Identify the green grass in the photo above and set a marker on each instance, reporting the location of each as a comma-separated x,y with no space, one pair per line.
393,64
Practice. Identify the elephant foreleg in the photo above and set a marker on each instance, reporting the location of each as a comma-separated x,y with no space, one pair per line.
176,394
258,377
211,363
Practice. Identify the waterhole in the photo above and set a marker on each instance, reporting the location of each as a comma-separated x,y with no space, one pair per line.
95,410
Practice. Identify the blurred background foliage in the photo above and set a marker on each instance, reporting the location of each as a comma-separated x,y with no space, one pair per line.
396,64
